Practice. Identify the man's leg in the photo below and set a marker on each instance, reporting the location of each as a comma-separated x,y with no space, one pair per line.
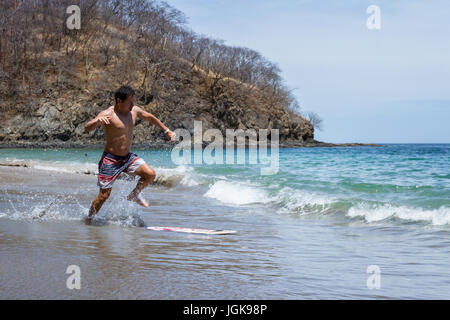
102,196
147,175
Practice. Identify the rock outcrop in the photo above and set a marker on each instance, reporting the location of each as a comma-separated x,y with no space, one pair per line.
58,118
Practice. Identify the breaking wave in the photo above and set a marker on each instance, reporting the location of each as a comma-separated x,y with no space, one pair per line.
440,216
288,200
236,193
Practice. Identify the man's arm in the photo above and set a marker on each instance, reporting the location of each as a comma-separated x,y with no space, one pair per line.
144,115
101,119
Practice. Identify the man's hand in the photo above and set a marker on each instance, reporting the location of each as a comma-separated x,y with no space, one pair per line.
103,120
171,136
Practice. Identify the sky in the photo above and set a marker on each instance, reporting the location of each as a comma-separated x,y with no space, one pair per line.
390,85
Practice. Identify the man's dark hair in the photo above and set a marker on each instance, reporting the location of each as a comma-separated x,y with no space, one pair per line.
123,92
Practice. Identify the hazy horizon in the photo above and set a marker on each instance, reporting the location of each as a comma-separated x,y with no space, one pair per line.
369,86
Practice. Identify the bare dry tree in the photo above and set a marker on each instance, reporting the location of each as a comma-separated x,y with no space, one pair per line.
315,120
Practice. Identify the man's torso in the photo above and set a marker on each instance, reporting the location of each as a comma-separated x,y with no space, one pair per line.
119,132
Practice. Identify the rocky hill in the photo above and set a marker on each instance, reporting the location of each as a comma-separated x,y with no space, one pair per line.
58,119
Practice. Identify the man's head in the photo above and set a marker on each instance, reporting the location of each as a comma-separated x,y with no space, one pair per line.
124,97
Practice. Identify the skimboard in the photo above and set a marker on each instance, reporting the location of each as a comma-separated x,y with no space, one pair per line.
192,230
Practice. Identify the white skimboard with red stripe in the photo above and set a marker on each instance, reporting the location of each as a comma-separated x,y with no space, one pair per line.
192,230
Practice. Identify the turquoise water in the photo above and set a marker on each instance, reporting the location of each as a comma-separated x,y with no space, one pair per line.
404,181
309,231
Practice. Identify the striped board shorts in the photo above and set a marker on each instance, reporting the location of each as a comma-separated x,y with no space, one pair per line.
111,166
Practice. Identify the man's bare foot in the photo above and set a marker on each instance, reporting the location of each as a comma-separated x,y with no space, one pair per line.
88,220
138,199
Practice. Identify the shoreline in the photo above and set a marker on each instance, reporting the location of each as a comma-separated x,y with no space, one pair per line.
168,145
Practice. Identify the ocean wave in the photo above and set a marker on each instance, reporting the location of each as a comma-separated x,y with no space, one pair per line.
286,199
439,216
237,193
382,188
181,175
303,202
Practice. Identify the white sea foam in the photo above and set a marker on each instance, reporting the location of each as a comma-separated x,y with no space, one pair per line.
237,193
118,211
39,212
303,202
179,175
440,216
290,200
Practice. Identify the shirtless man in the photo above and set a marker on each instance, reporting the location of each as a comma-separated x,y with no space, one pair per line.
118,122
